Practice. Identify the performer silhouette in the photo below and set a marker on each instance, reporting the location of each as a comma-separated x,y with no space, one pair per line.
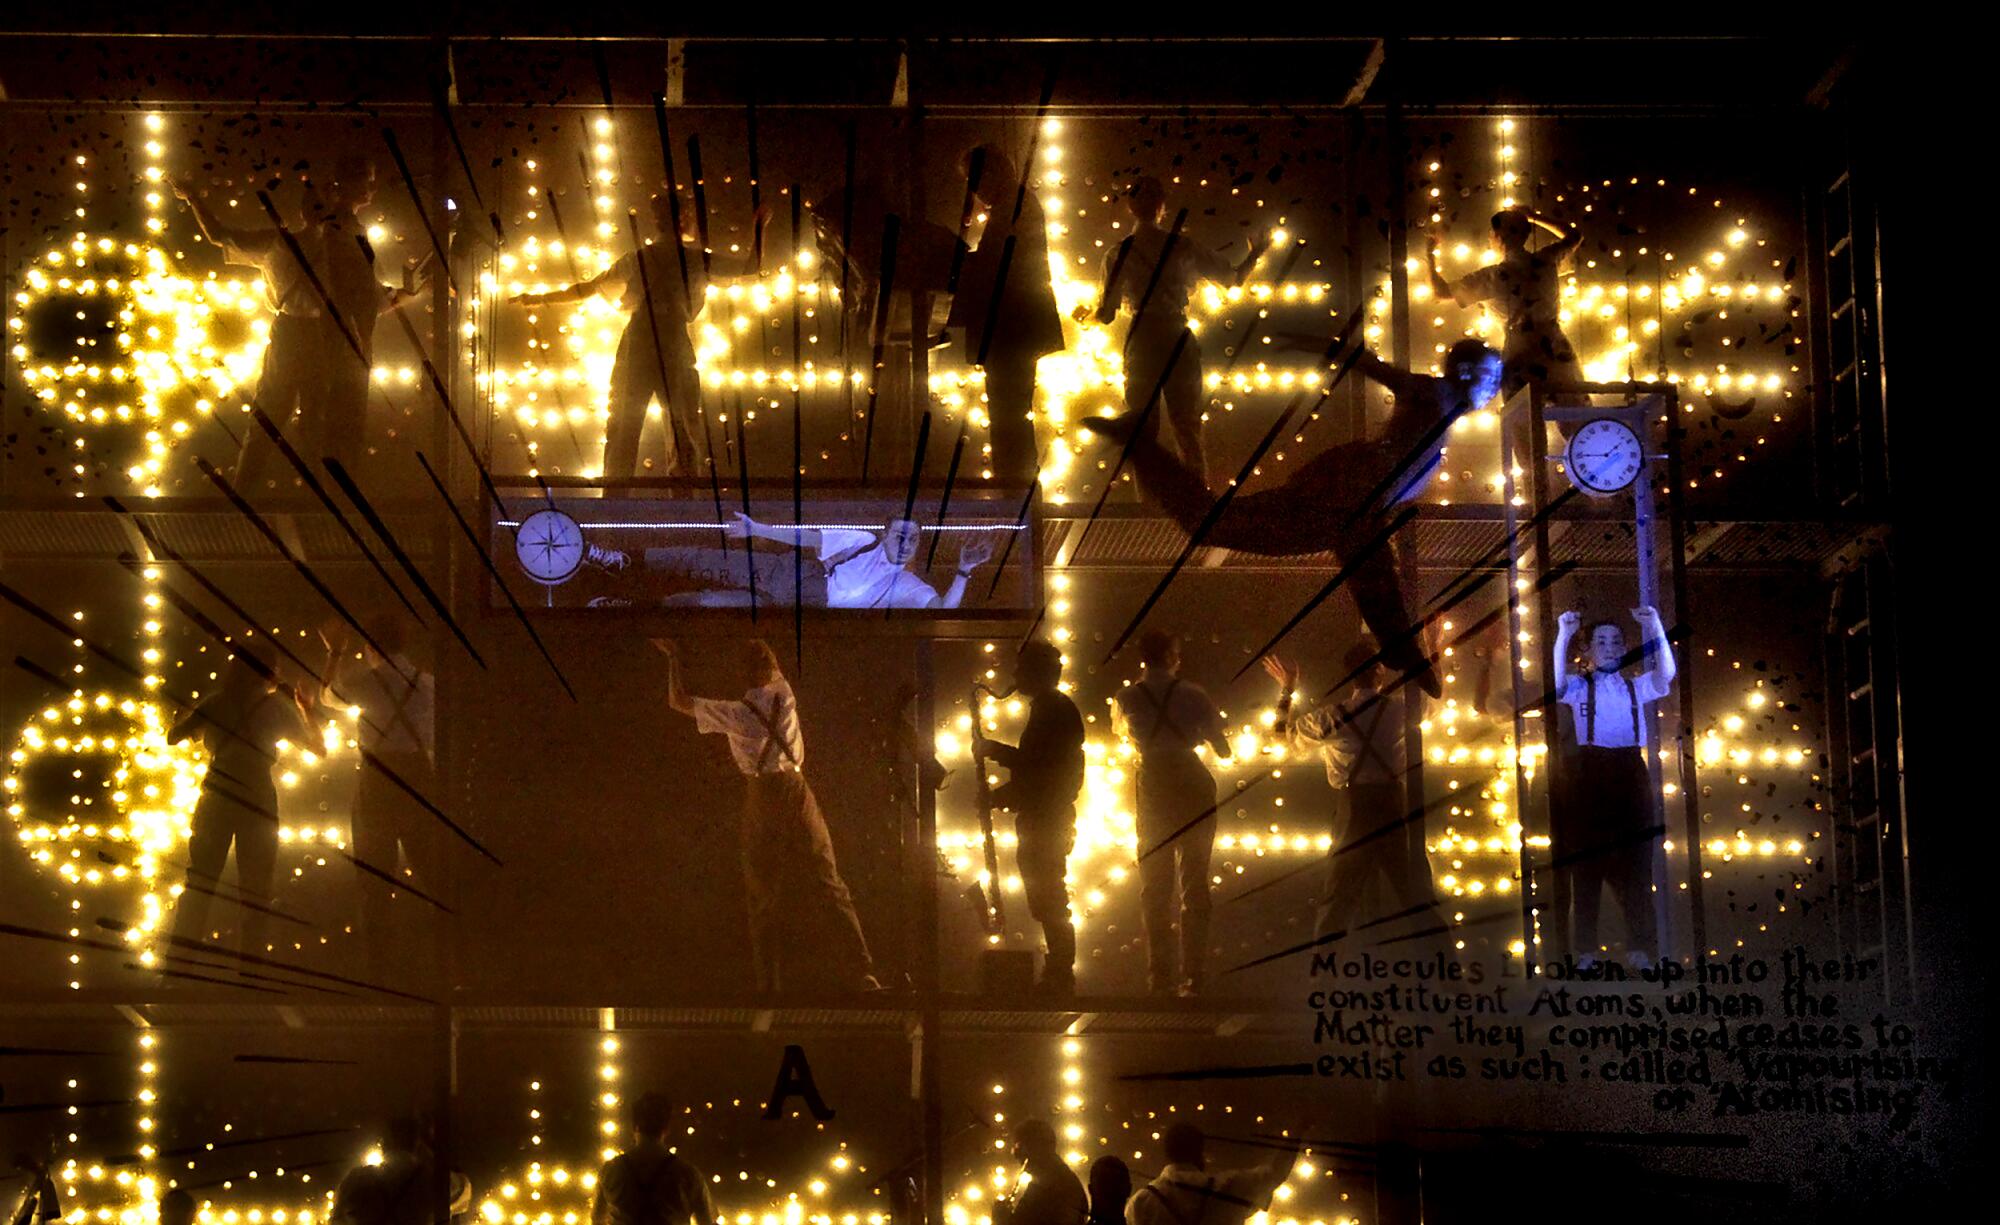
661,287
1345,498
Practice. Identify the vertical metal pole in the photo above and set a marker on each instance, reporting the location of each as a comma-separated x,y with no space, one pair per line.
1646,553
925,949
1544,636
1517,675
1399,318
1684,686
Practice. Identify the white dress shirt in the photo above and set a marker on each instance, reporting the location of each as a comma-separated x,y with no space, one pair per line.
1619,703
748,723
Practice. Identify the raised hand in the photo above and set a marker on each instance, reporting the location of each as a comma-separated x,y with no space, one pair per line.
1282,671
976,553
739,527
1569,622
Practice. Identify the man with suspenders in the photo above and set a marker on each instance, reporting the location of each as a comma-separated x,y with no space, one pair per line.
1166,718
1376,839
1185,1193
790,878
1603,819
648,1184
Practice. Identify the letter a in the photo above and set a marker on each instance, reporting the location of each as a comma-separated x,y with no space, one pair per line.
795,1079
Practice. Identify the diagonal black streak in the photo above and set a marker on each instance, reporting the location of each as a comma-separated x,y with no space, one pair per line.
743,476
1020,521
1380,540
216,950
798,425
332,309
1141,421
944,500
403,784
451,413
241,1141
375,524
270,428
659,345
916,478
885,281
441,102
1202,529
162,551
305,571
417,199
687,286
393,882
479,551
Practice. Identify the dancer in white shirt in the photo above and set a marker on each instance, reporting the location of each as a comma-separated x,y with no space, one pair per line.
1603,820
790,878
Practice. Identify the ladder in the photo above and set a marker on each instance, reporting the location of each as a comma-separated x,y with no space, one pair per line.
1853,434
1869,842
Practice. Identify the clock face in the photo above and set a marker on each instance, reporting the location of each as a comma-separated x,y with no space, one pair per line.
549,546
1604,457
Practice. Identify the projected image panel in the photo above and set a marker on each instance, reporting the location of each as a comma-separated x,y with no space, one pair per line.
839,553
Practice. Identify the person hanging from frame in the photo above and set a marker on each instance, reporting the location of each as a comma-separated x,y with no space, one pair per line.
1344,499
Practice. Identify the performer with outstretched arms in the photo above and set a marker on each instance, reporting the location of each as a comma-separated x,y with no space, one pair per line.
1153,272
661,287
1526,288
1344,498
1603,820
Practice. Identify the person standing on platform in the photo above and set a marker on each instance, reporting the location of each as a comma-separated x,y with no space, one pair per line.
1345,498
1154,272
1045,776
661,287
1604,821
251,713
1167,719
392,831
791,882
647,1184
1377,839
1046,1191
1526,288
319,281
1006,303
177,1207
1185,1193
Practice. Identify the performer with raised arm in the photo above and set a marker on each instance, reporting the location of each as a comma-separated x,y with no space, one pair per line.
661,287
1603,821
1168,719
1045,775
1153,273
1344,498
790,879
1525,287
1377,841
319,281
864,570
243,723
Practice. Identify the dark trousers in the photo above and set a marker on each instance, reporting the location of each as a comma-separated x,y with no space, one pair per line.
1010,401
1176,820
244,815
1602,829
1044,841
644,372
314,388
801,913
1180,388
711,576
397,836
1306,514
1373,842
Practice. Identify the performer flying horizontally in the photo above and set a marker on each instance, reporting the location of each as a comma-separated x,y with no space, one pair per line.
1343,499
789,875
